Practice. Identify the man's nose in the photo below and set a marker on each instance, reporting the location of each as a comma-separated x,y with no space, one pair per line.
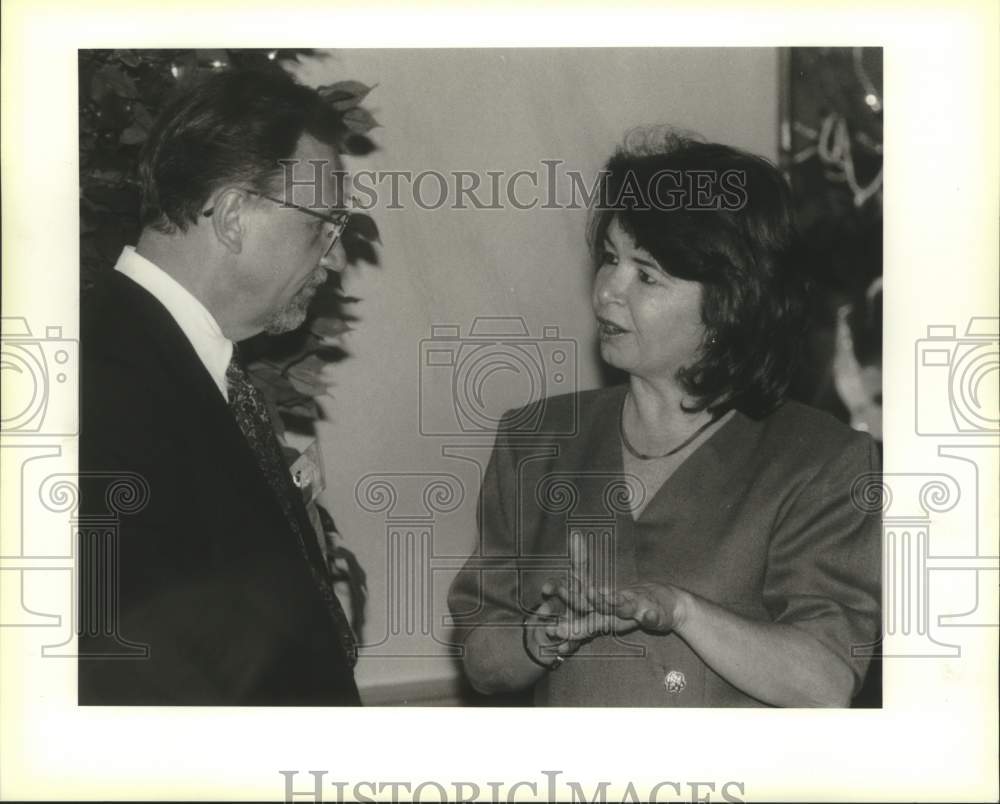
336,258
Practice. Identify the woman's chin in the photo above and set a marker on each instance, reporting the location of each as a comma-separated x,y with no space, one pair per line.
614,356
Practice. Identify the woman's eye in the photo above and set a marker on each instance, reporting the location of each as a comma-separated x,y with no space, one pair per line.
646,277
607,258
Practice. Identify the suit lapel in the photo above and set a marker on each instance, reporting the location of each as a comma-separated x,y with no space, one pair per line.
149,334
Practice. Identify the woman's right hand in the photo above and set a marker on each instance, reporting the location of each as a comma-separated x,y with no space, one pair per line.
554,631
573,612
541,640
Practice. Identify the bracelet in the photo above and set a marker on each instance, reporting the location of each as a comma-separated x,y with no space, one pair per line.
557,662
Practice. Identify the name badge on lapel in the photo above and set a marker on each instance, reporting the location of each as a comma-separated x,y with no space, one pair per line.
307,473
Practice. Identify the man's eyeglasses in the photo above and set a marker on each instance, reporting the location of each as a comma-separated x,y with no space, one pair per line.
335,224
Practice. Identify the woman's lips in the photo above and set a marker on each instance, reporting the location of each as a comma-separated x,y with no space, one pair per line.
609,329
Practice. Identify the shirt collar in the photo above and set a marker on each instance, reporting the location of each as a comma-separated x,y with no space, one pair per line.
199,326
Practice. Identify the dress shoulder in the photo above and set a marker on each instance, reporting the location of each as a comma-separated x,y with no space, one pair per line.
813,436
564,415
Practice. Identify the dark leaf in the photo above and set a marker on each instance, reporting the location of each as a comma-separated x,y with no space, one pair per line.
344,566
110,242
354,89
113,113
359,121
88,141
90,219
303,408
88,125
342,553
265,370
358,250
331,353
111,155
327,293
311,363
358,145
276,349
288,349
159,58
292,54
87,65
344,95
338,99
98,88
128,57
273,383
325,519
364,226
133,135
111,79
334,282
88,207
324,327
118,199
142,116
332,304
253,58
89,253
112,176
306,376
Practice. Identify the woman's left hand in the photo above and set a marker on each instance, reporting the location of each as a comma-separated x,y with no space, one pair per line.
653,607
591,611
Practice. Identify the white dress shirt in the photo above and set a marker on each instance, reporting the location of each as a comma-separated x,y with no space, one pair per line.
199,326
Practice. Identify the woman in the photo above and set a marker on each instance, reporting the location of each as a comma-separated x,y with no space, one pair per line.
715,557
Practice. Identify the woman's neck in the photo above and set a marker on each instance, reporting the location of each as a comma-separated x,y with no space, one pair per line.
656,412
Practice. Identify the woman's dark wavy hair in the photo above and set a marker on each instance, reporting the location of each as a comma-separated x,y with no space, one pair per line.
230,127
746,257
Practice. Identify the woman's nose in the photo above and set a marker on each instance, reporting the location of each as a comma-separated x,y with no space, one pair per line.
609,283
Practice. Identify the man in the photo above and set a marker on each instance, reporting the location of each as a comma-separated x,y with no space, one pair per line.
213,590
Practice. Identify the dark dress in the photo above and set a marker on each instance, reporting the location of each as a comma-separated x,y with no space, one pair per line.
759,519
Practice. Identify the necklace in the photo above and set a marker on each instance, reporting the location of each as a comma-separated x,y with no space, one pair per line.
642,456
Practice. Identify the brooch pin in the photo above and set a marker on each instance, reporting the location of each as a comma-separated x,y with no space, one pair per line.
675,681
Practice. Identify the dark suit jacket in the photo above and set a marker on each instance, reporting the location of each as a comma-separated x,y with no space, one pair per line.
211,581
759,519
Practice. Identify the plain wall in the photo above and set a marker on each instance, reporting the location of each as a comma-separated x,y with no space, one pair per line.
482,110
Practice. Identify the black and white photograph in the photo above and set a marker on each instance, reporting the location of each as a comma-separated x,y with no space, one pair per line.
503,389
601,572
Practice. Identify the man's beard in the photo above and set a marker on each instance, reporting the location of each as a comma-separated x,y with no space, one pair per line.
293,314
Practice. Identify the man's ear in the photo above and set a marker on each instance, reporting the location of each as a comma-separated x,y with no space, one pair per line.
229,219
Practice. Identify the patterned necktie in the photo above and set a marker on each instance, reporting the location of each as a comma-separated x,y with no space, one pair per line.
251,414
